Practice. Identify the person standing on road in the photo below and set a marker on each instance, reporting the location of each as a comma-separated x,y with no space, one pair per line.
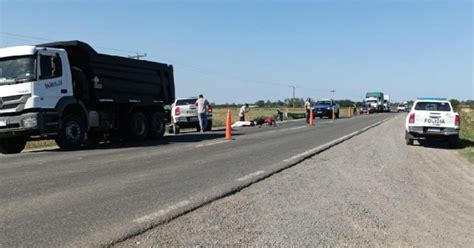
202,104
307,107
244,109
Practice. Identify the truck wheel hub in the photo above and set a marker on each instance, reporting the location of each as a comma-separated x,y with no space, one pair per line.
73,131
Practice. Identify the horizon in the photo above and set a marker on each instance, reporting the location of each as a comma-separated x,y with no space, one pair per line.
252,50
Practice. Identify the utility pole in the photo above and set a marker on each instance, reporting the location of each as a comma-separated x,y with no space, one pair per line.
332,91
138,56
294,94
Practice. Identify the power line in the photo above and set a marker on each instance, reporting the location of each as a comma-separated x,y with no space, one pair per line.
35,38
138,56
198,69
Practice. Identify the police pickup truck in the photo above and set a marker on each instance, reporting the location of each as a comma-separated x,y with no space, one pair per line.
432,118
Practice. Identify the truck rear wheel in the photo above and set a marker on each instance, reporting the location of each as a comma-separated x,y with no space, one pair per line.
138,127
453,141
72,133
409,138
157,125
177,129
12,146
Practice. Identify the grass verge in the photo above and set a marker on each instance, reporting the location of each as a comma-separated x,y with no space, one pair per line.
40,144
467,133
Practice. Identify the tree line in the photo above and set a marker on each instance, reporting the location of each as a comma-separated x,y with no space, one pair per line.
299,103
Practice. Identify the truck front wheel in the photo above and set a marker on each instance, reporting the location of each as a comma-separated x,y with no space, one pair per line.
12,146
157,125
72,133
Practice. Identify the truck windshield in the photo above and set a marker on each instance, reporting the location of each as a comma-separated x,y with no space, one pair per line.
433,106
186,102
323,102
17,69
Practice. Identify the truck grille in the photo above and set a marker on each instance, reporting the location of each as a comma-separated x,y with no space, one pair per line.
17,103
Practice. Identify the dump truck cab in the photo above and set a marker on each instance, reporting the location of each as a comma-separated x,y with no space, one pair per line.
33,80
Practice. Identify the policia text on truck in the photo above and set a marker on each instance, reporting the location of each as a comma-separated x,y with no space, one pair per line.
67,91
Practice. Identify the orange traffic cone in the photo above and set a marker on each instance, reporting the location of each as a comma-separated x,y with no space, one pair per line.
311,118
228,126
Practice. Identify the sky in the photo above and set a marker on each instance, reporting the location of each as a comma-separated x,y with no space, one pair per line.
244,51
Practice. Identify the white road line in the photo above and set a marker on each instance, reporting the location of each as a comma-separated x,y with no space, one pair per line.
212,143
160,213
295,128
313,150
249,176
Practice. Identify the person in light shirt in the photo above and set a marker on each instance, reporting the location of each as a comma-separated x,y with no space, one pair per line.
243,110
202,104
307,107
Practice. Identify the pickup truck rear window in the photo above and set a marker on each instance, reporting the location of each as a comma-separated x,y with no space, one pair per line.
186,102
433,106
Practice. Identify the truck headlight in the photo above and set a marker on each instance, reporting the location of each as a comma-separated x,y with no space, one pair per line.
30,122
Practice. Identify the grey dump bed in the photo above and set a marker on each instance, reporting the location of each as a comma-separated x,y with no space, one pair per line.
120,79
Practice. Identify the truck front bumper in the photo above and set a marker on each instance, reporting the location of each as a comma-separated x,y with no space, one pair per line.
29,124
430,131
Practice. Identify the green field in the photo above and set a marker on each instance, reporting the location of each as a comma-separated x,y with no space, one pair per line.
219,118
467,133
220,114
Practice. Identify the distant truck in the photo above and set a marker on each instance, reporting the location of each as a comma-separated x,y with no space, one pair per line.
184,115
366,108
326,107
386,103
375,100
66,91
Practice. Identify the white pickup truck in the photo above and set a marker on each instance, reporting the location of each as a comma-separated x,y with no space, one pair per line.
402,107
432,118
184,115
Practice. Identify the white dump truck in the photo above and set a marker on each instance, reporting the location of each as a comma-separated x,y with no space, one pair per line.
66,91
386,103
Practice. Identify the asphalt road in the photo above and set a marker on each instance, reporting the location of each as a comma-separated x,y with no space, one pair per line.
370,191
103,194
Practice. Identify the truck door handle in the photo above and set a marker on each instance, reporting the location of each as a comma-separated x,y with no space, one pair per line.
63,91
